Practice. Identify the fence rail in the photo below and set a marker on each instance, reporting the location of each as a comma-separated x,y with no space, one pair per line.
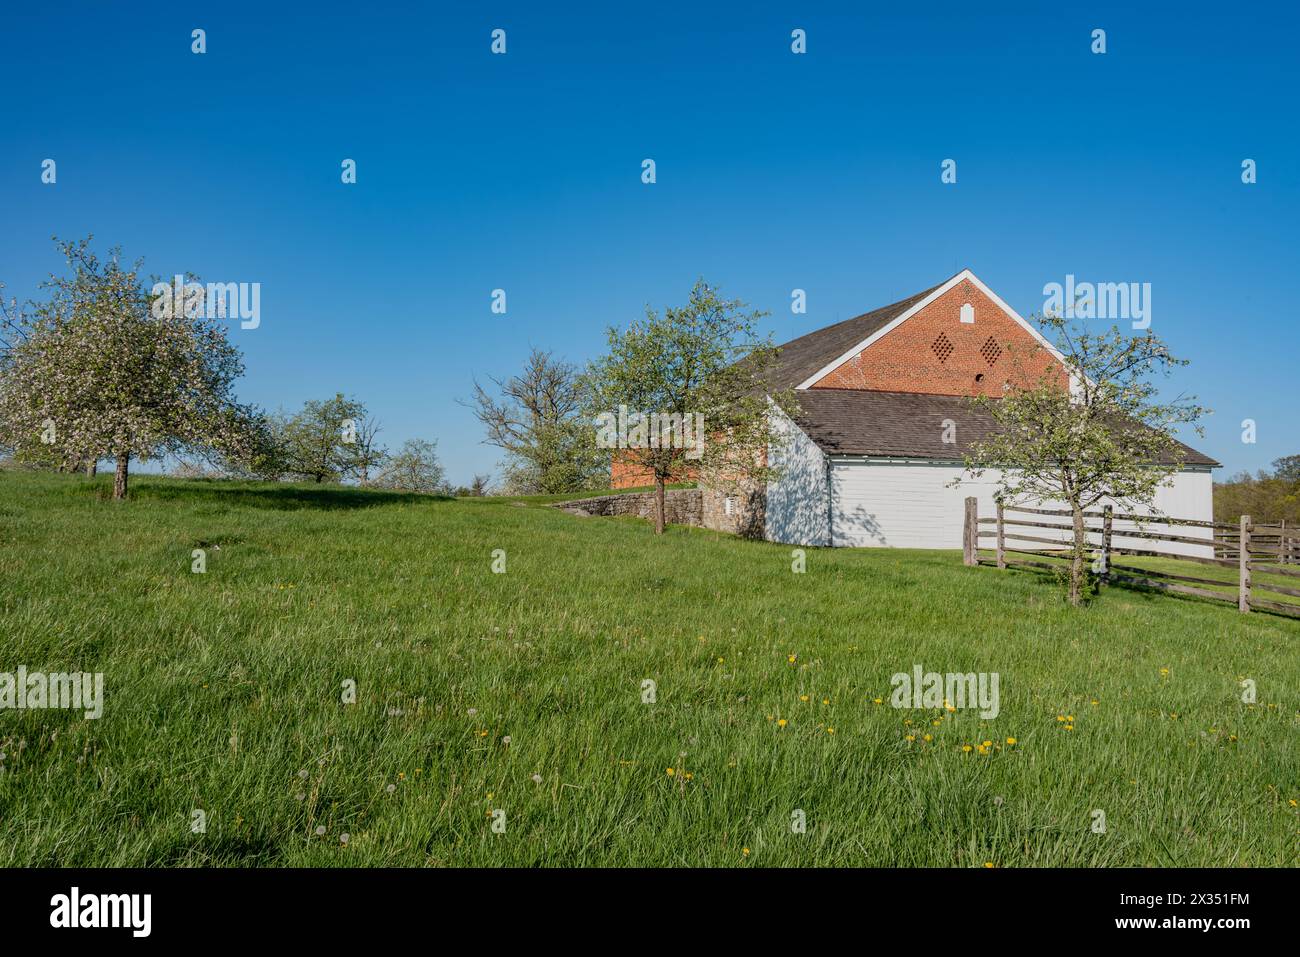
1248,547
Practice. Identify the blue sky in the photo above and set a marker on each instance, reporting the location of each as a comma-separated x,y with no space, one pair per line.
775,171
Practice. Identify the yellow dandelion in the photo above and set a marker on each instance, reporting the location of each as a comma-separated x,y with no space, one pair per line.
671,772
988,744
1011,740
910,737
689,776
803,697
1069,727
745,851
792,658
927,737
826,700
830,730
989,864
780,722
880,700
965,747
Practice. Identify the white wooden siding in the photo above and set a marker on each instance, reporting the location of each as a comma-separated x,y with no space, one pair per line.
903,504
797,510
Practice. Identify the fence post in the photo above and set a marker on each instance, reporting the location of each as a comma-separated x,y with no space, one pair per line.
970,530
1281,545
1107,515
1002,538
1243,566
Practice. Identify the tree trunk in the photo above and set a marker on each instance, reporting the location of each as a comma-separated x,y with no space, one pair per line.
119,478
92,467
1076,563
659,505
319,478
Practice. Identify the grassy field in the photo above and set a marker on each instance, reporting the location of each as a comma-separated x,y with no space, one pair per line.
522,692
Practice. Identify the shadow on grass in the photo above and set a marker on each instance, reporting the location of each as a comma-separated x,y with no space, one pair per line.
280,497
1152,594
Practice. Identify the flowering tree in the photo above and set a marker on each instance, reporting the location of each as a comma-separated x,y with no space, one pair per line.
1105,437
413,468
703,364
94,374
319,441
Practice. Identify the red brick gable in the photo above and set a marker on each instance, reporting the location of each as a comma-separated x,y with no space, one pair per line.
935,353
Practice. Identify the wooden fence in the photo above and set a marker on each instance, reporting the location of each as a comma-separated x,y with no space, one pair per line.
1247,548
1278,537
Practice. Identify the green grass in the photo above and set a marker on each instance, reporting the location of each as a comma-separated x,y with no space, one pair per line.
223,690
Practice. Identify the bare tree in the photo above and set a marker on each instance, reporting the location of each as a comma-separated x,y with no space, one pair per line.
365,454
537,421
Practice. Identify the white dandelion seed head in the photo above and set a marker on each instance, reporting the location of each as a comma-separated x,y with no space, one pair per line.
320,830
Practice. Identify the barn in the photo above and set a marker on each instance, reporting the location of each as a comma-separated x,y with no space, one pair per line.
884,423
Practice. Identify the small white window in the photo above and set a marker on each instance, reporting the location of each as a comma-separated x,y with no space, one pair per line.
967,313
726,505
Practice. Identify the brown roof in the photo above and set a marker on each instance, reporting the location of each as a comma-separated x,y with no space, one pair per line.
902,424
800,358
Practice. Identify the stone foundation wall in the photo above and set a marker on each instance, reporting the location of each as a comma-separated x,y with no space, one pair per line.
747,514
682,506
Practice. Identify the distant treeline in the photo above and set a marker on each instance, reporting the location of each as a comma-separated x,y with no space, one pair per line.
1267,496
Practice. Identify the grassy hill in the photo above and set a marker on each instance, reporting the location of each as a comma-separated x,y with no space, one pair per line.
522,692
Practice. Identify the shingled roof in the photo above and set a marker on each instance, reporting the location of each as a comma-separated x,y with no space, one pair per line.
903,424
800,358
